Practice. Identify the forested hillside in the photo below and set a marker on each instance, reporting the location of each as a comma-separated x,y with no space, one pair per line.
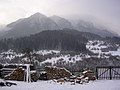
60,40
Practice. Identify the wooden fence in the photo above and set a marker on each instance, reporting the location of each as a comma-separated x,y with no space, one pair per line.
108,72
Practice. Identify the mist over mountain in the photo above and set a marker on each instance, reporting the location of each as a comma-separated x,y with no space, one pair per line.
61,22
30,25
39,22
89,26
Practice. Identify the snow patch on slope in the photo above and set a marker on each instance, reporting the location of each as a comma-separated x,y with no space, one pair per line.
65,59
102,48
45,52
10,54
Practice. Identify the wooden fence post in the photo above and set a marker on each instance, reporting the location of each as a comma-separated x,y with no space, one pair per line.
28,76
96,72
110,72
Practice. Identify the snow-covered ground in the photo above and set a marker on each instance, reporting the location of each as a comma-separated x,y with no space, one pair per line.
50,85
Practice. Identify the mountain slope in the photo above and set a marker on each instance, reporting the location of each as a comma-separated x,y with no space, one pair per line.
49,39
39,22
30,25
88,26
61,22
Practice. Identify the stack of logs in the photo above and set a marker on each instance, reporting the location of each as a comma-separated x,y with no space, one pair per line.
89,74
34,77
86,76
17,74
1,66
57,73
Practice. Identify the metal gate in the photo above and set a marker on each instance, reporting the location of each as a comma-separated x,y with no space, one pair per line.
111,72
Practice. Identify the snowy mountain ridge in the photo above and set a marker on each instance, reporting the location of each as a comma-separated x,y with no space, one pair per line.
39,22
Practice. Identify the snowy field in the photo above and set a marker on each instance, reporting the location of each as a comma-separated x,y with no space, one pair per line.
50,85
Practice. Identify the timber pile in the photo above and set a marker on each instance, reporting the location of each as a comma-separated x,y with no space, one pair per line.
43,76
1,66
17,74
89,74
57,73
86,76
34,77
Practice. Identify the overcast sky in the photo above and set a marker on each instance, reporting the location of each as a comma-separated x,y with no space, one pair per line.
105,10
